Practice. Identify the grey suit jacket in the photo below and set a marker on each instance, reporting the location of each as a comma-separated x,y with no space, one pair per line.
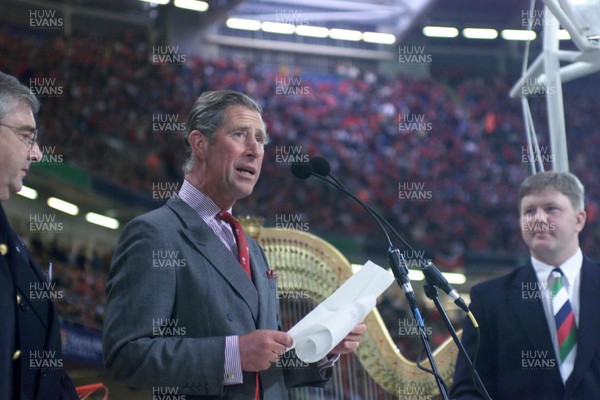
174,293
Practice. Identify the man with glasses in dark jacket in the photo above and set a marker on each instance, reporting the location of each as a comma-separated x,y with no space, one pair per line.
31,365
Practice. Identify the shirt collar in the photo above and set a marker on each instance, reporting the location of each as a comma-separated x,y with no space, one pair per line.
570,268
201,203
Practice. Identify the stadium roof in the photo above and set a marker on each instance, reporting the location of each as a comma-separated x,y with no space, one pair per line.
392,16
395,16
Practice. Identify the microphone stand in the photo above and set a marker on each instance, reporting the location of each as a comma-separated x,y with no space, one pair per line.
432,294
400,270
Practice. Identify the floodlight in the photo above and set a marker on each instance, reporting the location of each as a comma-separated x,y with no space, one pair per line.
244,24
102,220
193,5
64,206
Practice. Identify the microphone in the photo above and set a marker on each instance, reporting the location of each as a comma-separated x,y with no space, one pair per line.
434,277
321,168
302,170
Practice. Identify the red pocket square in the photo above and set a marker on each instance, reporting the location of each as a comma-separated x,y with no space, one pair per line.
271,274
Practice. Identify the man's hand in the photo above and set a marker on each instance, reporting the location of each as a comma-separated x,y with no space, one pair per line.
261,348
350,342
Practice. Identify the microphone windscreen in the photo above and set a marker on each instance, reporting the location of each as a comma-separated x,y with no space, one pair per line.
302,170
320,166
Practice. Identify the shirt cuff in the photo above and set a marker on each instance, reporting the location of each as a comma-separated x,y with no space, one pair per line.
328,362
233,363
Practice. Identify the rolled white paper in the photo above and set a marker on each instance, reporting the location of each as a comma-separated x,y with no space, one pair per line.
332,320
314,344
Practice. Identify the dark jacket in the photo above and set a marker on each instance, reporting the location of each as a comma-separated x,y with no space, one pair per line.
31,363
516,356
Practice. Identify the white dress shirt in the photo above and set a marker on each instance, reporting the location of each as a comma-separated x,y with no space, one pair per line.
571,269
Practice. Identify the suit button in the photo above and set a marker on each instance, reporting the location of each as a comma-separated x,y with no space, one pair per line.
230,316
24,306
3,249
18,299
16,356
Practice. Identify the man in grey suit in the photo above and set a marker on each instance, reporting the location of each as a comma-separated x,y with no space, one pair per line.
183,317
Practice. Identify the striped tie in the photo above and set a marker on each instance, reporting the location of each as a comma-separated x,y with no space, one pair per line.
566,328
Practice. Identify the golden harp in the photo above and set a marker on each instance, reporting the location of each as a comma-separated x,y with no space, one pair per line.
309,269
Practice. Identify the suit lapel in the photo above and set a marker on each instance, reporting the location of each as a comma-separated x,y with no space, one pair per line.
259,274
215,252
531,316
588,337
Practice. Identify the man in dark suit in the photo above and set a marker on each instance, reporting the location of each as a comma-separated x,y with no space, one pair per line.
540,323
187,314
31,365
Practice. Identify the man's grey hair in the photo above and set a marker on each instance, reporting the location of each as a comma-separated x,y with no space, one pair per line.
13,93
208,114
563,182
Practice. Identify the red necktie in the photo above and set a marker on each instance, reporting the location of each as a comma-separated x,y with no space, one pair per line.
240,239
243,258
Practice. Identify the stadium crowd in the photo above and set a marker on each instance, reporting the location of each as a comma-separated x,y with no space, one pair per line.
439,157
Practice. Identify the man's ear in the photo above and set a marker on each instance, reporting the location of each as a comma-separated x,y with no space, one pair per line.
198,143
580,220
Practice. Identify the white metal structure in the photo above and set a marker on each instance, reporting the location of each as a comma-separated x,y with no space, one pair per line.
581,18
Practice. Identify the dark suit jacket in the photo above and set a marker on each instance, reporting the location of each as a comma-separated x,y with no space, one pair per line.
169,267
516,357
29,328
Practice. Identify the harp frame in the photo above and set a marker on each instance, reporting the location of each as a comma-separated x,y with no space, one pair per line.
304,262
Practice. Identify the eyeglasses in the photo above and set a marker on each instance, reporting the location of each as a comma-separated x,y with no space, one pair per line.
26,135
